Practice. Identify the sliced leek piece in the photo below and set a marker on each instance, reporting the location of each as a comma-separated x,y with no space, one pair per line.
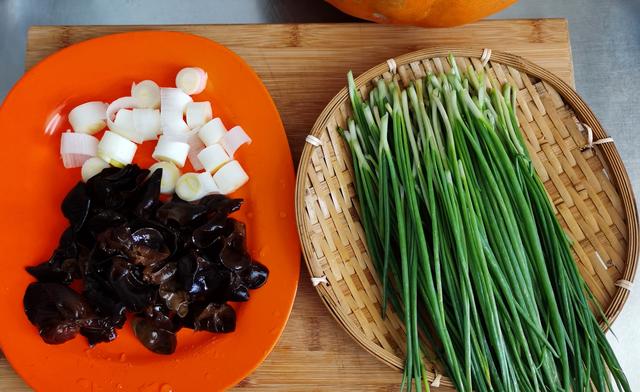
116,150
198,113
191,80
174,100
91,167
146,123
213,157
116,106
76,148
89,117
212,132
195,146
170,175
173,103
208,183
147,94
78,143
230,177
124,125
233,139
189,187
171,151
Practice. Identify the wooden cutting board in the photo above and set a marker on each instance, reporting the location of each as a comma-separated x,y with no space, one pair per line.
304,66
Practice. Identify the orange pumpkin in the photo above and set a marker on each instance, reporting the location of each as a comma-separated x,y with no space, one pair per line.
427,13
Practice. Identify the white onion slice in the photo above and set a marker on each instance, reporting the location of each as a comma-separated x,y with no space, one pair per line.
89,117
191,80
171,151
230,177
116,106
213,157
212,132
76,148
116,150
170,174
235,138
146,93
198,113
189,187
195,145
146,123
91,167
208,183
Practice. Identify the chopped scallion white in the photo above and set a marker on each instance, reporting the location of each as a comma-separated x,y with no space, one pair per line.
76,148
115,107
170,174
189,187
116,150
174,100
213,157
171,151
230,177
191,80
146,122
91,167
198,113
124,126
208,183
212,132
235,138
147,94
89,117
195,145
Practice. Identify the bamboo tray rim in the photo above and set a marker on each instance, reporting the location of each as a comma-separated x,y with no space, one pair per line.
620,177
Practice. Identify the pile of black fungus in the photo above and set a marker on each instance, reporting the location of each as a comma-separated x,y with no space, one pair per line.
172,264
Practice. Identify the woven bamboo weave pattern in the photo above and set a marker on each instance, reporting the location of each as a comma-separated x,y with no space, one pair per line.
588,187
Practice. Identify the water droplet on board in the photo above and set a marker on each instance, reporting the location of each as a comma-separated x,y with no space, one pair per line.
166,388
123,357
283,214
119,387
207,376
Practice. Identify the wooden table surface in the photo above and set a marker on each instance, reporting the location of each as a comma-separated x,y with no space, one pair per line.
303,66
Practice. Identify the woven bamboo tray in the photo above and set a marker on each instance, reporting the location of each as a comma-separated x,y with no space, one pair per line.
589,188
